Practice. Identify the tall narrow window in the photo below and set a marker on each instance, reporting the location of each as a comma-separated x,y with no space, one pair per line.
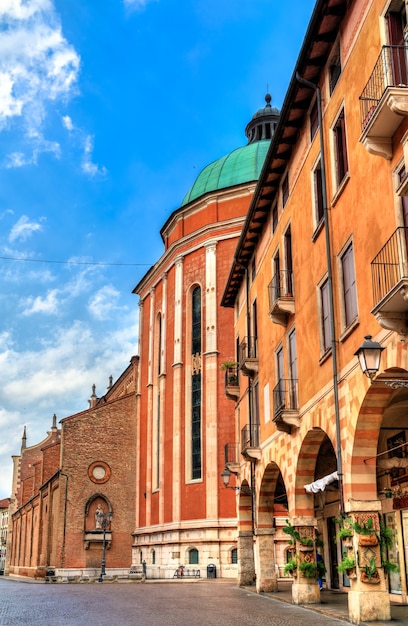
285,190
334,69
325,316
274,217
254,323
318,193
280,387
288,263
159,344
276,280
314,120
158,443
340,147
293,370
196,384
349,286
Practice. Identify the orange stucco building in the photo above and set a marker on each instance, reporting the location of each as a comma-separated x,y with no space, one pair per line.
321,263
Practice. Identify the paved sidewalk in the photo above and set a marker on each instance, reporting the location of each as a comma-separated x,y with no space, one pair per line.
335,604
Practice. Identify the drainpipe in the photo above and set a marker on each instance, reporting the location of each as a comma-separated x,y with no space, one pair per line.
316,88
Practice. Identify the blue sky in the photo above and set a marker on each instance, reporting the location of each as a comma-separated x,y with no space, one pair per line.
109,109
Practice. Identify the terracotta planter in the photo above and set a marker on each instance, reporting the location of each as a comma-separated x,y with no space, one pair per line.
368,540
373,580
351,573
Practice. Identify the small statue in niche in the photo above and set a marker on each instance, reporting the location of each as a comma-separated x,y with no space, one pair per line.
98,517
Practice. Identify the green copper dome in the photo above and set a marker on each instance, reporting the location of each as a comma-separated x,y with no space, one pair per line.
242,165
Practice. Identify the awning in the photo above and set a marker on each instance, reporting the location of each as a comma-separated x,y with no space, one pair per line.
321,484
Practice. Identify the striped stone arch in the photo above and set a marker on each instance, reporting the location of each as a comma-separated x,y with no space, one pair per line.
359,446
305,471
267,495
245,509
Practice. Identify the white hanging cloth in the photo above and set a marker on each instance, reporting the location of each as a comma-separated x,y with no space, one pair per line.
321,484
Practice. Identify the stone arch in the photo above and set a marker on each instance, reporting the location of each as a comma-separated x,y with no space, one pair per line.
304,503
245,521
361,482
271,481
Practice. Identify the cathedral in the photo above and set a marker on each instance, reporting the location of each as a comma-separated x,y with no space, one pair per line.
137,476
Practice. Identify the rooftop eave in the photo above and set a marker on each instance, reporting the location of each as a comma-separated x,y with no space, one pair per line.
321,33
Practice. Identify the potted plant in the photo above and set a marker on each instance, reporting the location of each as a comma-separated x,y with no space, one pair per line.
290,567
291,530
345,527
347,566
227,365
308,569
366,532
369,573
307,544
230,369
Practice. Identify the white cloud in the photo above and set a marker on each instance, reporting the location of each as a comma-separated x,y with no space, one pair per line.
57,378
67,122
47,305
38,66
103,302
20,9
24,228
137,5
87,165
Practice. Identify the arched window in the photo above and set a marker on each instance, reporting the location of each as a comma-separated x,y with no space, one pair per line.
196,384
234,555
193,556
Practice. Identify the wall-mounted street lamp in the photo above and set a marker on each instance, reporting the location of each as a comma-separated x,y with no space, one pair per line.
226,475
103,521
369,357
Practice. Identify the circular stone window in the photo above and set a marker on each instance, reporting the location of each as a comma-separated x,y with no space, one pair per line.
99,472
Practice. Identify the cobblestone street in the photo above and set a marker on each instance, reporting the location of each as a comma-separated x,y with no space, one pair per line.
202,603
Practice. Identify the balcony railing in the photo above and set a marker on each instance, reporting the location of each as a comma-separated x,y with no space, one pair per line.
231,453
247,349
250,442
232,383
390,70
247,356
285,395
281,297
286,405
281,286
390,266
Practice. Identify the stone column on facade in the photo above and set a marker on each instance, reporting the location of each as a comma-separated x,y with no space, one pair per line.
368,598
305,590
162,390
149,416
246,563
266,578
177,386
139,494
210,381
